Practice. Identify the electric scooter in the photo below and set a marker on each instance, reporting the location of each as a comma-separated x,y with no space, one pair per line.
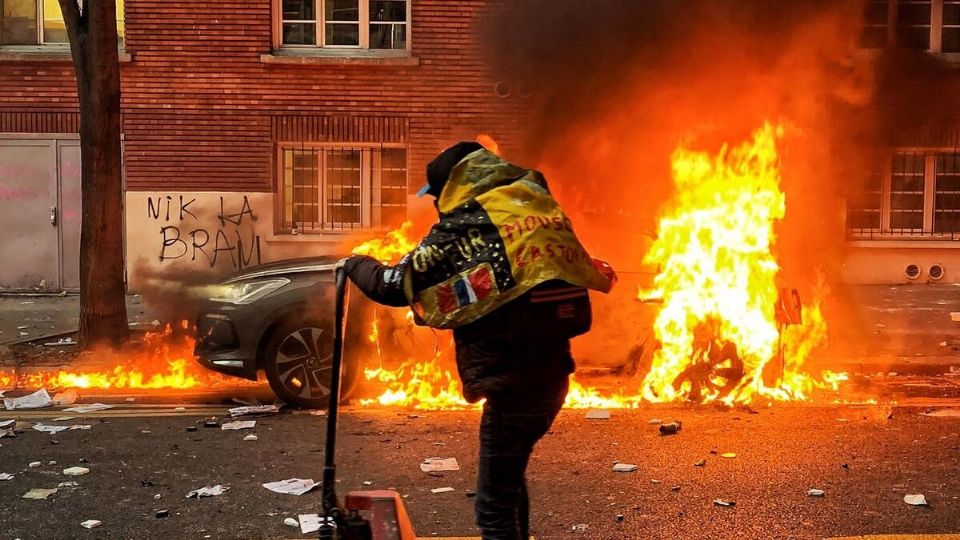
365,515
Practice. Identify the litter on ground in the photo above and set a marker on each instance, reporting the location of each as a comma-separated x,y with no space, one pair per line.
291,486
39,493
436,464
239,424
598,415
208,491
36,400
254,409
915,500
442,490
624,467
92,407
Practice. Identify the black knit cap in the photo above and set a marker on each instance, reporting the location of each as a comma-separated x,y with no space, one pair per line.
438,171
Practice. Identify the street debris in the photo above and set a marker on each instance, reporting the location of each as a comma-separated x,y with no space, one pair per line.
725,503
290,522
598,415
239,424
309,523
39,493
162,514
36,400
442,490
91,524
700,463
620,518
63,418
253,409
76,471
579,527
624,467
44,428
816,493
191,428
251,437
5,476
942,413
92,407
436,464
7,433
671,429
51,462
291,486
655,421
62,342
35,464
67,484
208,491
5,423
915,500
211,423
728,455
67,397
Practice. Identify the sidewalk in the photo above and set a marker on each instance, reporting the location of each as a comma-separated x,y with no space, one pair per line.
32,317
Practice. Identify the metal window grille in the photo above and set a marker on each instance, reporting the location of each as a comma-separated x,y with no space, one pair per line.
864,209
907,190
946,215
343,188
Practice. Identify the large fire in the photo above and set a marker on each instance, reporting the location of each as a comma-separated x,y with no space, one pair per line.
163,361
718,329
719,333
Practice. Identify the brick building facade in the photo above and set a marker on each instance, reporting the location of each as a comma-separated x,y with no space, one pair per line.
262,129
244,140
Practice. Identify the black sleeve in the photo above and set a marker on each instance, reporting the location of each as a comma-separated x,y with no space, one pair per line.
381,283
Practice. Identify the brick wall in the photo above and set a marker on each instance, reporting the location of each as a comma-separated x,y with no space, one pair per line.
201,109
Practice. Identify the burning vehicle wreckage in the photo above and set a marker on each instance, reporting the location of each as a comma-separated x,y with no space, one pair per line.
725,328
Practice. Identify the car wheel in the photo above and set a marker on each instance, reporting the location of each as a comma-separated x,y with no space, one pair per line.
298,362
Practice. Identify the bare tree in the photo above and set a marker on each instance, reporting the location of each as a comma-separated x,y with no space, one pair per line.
92,29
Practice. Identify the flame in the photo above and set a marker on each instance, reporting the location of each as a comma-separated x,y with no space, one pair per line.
489,143
718,283
391,247
164,361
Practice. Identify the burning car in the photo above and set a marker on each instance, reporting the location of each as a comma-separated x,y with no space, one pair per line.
278,318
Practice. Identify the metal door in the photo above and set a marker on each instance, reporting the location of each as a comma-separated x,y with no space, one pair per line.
68,156
29,237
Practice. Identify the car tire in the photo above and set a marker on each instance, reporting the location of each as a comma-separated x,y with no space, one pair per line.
298,363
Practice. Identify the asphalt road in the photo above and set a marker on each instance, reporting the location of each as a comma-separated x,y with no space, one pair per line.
863,460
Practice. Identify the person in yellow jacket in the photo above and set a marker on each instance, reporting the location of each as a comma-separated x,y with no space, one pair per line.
504,270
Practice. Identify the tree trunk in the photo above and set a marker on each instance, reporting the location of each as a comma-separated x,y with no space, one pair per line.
93,45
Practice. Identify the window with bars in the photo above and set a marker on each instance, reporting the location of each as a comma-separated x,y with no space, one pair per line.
864,209
39,22
916,24
917,195
946,212
907,184
327,188
345,24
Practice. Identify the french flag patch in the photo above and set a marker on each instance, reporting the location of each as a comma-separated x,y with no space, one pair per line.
467,289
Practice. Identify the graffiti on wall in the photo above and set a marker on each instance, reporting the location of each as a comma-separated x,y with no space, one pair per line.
188,234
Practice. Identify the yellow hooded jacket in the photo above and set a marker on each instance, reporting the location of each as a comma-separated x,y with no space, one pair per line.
500,234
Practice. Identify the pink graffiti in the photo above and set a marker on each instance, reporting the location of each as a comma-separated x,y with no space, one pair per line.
15,194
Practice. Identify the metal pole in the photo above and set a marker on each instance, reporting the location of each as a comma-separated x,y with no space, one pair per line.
330,513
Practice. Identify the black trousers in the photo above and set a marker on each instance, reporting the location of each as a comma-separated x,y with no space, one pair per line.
509,428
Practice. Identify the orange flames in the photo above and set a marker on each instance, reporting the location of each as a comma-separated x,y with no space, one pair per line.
718,329
164,361
719,334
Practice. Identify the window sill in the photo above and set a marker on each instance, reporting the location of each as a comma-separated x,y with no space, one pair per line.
351,57
916,243
45,53
323,237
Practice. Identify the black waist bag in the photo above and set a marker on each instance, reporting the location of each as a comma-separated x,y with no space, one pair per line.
561,309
